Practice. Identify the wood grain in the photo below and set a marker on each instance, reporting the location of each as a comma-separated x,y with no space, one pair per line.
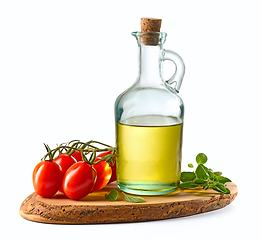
95,209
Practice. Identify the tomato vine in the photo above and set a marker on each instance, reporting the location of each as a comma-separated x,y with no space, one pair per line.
88,151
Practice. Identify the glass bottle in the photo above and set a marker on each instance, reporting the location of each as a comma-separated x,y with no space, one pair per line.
149,122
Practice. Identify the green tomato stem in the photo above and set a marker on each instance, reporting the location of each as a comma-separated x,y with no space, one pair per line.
84,148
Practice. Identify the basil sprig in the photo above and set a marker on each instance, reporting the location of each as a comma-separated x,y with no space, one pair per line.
204,177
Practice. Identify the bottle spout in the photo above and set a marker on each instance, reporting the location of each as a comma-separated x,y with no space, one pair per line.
150,39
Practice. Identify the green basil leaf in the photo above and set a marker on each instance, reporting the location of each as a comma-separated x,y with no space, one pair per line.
187,176
219,187
218,173
189,184
201,158
133,199
201,172
222,179
211,174
190,165
200,181
112,196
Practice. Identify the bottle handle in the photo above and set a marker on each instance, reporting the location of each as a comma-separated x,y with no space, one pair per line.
180,68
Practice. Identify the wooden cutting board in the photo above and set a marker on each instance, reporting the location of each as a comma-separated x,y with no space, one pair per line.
95,209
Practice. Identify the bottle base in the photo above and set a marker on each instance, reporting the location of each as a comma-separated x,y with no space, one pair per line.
147,188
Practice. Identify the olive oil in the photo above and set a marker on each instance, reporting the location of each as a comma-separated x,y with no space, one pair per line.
149,157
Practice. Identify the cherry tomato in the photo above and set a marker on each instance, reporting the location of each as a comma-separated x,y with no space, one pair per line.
77,156
113,176
104,153
64,162
104,173
47,178
79,180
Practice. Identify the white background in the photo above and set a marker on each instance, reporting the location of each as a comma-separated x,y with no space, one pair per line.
62,65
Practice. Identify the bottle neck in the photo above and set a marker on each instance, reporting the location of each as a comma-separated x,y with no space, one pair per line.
150,65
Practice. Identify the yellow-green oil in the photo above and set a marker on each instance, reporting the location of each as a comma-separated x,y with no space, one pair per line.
149,158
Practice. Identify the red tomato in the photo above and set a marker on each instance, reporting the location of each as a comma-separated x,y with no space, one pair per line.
104,153
47,178
113,176
104,173
77,156
78,181
64,162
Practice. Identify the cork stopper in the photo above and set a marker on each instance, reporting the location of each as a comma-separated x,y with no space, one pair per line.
151,28
150,24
